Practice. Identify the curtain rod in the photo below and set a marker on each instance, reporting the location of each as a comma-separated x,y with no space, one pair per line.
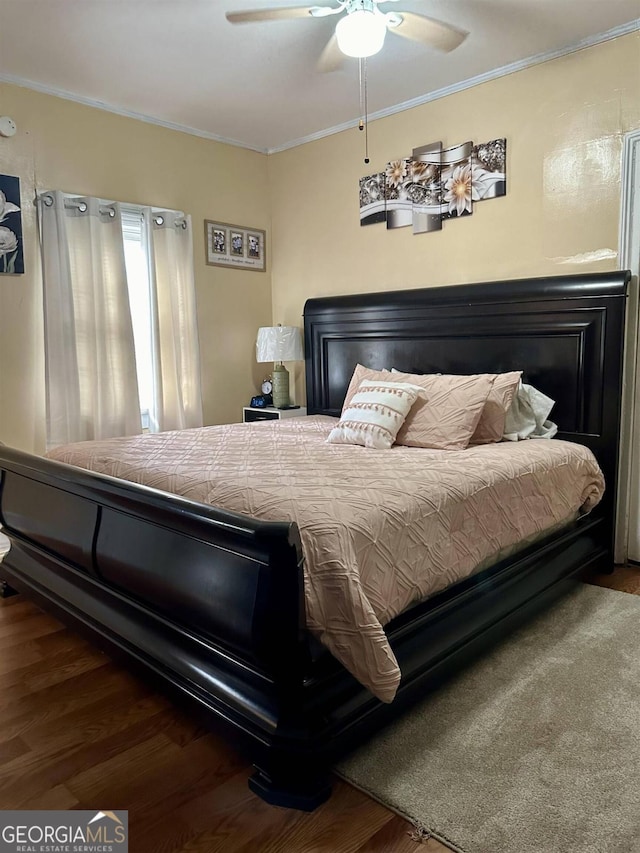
75,204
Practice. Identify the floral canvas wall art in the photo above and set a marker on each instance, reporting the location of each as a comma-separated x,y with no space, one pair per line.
489,163
11,253
434,185
372,199
426,192
398,193
457,185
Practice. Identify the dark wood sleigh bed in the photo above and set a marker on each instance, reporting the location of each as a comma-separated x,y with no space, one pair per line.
210,603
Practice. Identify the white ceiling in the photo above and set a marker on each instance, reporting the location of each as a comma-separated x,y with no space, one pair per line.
179,62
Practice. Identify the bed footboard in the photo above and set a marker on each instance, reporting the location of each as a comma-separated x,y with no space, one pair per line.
208,601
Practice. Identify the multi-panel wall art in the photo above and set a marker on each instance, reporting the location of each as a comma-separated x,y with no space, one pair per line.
11,255
434,185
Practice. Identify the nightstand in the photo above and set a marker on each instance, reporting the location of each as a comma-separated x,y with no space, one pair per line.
249,415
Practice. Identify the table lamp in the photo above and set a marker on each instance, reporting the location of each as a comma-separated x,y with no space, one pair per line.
278,344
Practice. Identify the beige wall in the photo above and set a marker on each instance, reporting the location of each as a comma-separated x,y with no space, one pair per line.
63,145
564,121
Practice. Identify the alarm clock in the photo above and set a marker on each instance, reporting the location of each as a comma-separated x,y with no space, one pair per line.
261,401
265,399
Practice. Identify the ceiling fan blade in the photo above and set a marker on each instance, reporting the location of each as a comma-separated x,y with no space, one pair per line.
436,34
323,11
282,13
332,57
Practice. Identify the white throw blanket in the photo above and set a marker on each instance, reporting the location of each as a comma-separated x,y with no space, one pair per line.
527,415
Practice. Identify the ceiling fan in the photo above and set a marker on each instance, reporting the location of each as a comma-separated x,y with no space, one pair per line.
361,30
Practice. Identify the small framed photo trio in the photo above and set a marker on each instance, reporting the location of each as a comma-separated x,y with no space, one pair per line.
235,246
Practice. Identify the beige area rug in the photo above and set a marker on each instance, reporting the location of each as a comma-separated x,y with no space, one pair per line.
533,749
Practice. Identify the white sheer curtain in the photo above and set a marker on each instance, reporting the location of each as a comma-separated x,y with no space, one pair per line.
176,351
91,384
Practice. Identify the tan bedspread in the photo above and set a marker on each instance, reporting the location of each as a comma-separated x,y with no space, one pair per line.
380,529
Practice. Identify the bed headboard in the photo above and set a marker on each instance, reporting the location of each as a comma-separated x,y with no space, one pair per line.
564,332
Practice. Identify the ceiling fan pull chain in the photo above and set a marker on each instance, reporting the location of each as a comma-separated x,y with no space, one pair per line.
361,91
363,124
366,115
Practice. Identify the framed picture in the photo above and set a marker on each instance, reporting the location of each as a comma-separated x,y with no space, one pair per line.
255,245
235,246
220,240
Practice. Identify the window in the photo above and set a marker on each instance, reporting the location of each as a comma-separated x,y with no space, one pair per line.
119,360
136,255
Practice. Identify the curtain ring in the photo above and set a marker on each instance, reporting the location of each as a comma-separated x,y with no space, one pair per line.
159,220
47,200
83,206
181,223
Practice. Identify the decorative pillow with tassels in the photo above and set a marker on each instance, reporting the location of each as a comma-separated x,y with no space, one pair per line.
375,414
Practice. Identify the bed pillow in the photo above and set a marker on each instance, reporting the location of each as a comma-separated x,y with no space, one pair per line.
490,427
375,413
445,417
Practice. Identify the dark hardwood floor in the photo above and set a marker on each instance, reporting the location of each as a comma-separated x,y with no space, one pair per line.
78,731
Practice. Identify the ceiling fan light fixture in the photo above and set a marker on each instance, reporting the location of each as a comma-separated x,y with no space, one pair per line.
361,33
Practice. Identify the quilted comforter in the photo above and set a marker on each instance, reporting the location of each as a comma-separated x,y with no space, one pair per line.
380,529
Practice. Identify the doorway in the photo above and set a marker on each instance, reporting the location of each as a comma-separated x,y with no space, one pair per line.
628,522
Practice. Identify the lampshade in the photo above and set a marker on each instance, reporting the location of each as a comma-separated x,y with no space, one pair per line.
361,33
279,343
